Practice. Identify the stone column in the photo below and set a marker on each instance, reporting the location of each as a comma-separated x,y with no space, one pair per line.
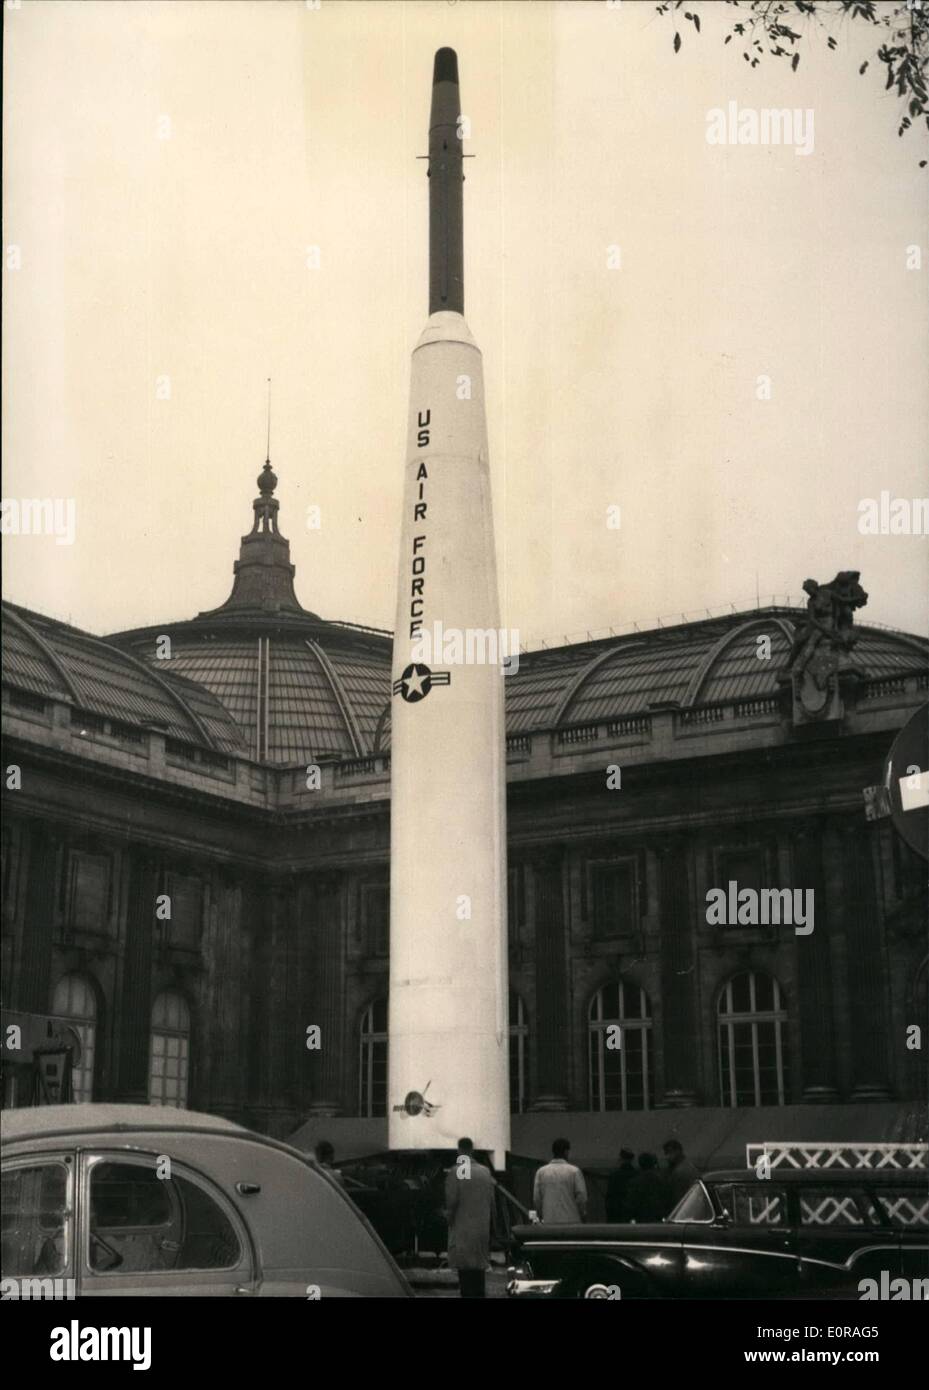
553,1030
323,989
265,910
678,1011
224,960
867,979
33,991
286,1028
813,972
134,1003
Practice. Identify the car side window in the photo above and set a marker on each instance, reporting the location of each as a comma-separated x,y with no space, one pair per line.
36,1219
141,1223
837,1207
907,1208
759,1205
695,1205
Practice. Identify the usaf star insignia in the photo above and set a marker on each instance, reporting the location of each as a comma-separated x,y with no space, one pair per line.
417,680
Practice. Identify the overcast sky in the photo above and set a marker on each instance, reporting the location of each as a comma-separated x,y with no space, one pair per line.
167,166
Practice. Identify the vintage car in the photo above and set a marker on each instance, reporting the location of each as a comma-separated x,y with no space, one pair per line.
133,1199
800,1233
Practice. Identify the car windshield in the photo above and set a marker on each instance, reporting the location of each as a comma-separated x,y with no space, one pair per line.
695,1205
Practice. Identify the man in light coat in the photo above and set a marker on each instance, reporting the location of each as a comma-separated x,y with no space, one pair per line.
469,1204
559,1193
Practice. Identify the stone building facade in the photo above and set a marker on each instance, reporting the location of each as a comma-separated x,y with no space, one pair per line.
196,863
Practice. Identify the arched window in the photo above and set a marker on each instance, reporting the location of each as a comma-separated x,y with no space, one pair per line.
752,1040
519,1033
75,1000
169,1056
372,1061
620,1034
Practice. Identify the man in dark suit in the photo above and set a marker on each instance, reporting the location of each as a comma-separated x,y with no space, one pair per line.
647,1194
469,1204
681,1173
618,1185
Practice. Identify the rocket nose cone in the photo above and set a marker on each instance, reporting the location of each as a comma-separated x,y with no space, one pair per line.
446,66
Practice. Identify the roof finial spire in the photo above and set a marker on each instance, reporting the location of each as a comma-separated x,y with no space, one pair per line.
268,452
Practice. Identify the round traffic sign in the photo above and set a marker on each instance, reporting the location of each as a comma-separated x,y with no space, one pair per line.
906,777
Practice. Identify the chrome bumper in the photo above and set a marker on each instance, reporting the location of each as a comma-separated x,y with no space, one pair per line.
518,1286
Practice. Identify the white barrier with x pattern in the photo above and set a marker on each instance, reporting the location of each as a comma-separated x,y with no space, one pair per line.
842,1210
902,1208
835,1155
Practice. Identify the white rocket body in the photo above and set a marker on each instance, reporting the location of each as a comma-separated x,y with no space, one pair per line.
448,1032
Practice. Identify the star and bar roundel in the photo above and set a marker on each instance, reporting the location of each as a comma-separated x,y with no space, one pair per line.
417,680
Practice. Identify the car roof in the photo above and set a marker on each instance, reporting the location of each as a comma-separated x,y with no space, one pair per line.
840,1176
40,1120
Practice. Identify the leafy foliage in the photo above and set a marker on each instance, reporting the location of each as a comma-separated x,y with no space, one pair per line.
764,28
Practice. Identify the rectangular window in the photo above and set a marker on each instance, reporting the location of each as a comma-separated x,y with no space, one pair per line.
744,865
36,1220
24,699
615,899
168,1072
87,723
752,1206
838,1207
90,885
186,894
907,1208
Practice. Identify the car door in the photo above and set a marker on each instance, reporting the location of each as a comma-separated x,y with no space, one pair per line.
906,1207
37,1225
151,1225
746,1250
842,1237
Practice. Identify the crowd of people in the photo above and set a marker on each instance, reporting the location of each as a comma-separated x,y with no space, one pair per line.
645,1192
648,1192
638,1190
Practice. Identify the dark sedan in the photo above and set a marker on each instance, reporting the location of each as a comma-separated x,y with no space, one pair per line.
811,1232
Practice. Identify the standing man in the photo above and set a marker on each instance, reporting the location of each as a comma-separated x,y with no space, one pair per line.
325,1157
469,1204
647,1196
559,1193
680,1173
616,1188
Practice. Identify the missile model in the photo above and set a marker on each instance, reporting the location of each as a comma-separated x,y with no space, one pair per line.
448,1032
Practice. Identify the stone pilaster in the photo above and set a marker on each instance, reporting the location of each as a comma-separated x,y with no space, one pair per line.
134,1002
33,990
261,910
678,1009
814,973
275,1014
553,1031
224,955
867,977
321,949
